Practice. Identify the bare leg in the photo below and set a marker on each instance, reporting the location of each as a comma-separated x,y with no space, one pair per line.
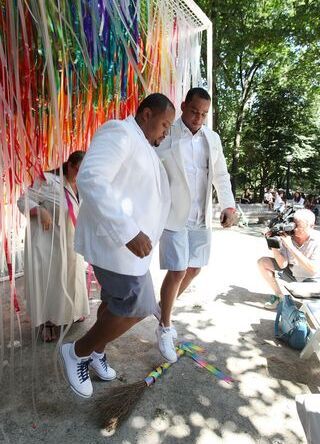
169,291
267,270
106,328
101,308
191,273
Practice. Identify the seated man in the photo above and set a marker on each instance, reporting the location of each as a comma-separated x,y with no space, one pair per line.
298,257
268,198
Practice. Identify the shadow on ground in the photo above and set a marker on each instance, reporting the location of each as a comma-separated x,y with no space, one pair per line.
187,404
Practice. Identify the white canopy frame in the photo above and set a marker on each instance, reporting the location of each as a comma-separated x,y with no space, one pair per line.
199,21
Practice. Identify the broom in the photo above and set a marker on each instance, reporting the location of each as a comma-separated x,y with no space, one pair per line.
123,399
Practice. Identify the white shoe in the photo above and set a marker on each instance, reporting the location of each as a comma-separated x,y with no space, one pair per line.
101,368
76,370
166,344
157,315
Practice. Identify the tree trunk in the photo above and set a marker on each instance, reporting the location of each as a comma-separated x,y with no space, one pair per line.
236,149
213,17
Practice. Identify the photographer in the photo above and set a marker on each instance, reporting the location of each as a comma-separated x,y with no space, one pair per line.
298,257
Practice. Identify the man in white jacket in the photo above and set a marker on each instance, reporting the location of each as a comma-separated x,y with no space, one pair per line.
193,158
125,203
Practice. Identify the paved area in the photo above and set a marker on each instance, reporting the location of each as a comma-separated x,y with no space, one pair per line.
223,312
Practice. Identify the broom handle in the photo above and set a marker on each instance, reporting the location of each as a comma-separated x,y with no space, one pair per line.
155,374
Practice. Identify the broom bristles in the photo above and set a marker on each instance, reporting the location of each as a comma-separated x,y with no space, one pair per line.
120,404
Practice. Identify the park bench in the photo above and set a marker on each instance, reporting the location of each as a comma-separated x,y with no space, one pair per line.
254,213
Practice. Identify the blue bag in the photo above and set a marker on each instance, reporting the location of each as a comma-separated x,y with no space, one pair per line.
294,326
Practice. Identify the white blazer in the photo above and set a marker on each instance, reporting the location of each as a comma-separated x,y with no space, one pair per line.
171,155
124,190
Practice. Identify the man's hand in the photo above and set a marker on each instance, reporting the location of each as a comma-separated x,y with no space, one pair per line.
227,217
140,245
286,241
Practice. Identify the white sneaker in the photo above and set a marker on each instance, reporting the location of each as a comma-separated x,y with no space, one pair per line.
101,368
166,344
76,370
157,315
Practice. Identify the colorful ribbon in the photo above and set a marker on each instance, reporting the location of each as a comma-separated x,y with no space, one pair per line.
189,349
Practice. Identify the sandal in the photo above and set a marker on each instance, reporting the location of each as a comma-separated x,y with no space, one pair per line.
48,332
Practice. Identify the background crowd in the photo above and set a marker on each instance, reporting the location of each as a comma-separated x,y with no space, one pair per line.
277,200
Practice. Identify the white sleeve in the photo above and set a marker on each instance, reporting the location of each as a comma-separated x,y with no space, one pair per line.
109,150
35,195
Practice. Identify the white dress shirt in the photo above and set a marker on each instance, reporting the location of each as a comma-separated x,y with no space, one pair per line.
196,161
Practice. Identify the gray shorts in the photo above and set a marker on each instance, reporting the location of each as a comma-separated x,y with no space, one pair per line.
125,295
186,248
286,274
308,288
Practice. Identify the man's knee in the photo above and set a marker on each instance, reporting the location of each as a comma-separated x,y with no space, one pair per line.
193,272
266,263
177,276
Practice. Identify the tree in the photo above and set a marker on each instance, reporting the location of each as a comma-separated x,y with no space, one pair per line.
251,39
281,120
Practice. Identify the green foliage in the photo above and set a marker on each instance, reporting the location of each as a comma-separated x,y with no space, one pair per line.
267,78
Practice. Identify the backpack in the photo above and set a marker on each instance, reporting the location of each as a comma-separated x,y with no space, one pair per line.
294,326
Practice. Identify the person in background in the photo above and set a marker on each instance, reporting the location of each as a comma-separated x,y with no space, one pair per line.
279,203
55,280
298,258
298,199
268,198
247,196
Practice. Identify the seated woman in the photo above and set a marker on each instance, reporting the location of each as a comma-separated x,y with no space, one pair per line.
55,281
298,199
247,197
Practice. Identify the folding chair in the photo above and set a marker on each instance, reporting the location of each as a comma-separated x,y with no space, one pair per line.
312,311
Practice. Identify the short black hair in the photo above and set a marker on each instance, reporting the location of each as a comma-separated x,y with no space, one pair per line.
199,92
74,158
156,102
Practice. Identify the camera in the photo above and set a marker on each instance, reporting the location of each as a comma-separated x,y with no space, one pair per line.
282,224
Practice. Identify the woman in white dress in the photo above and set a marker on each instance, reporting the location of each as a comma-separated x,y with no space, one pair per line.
55,279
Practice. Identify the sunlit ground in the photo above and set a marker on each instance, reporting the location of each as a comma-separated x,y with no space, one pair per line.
223,311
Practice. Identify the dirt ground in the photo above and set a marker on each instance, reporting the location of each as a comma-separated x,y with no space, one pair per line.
223,311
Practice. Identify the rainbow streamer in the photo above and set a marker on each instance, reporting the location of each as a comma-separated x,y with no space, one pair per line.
65,68
189,349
